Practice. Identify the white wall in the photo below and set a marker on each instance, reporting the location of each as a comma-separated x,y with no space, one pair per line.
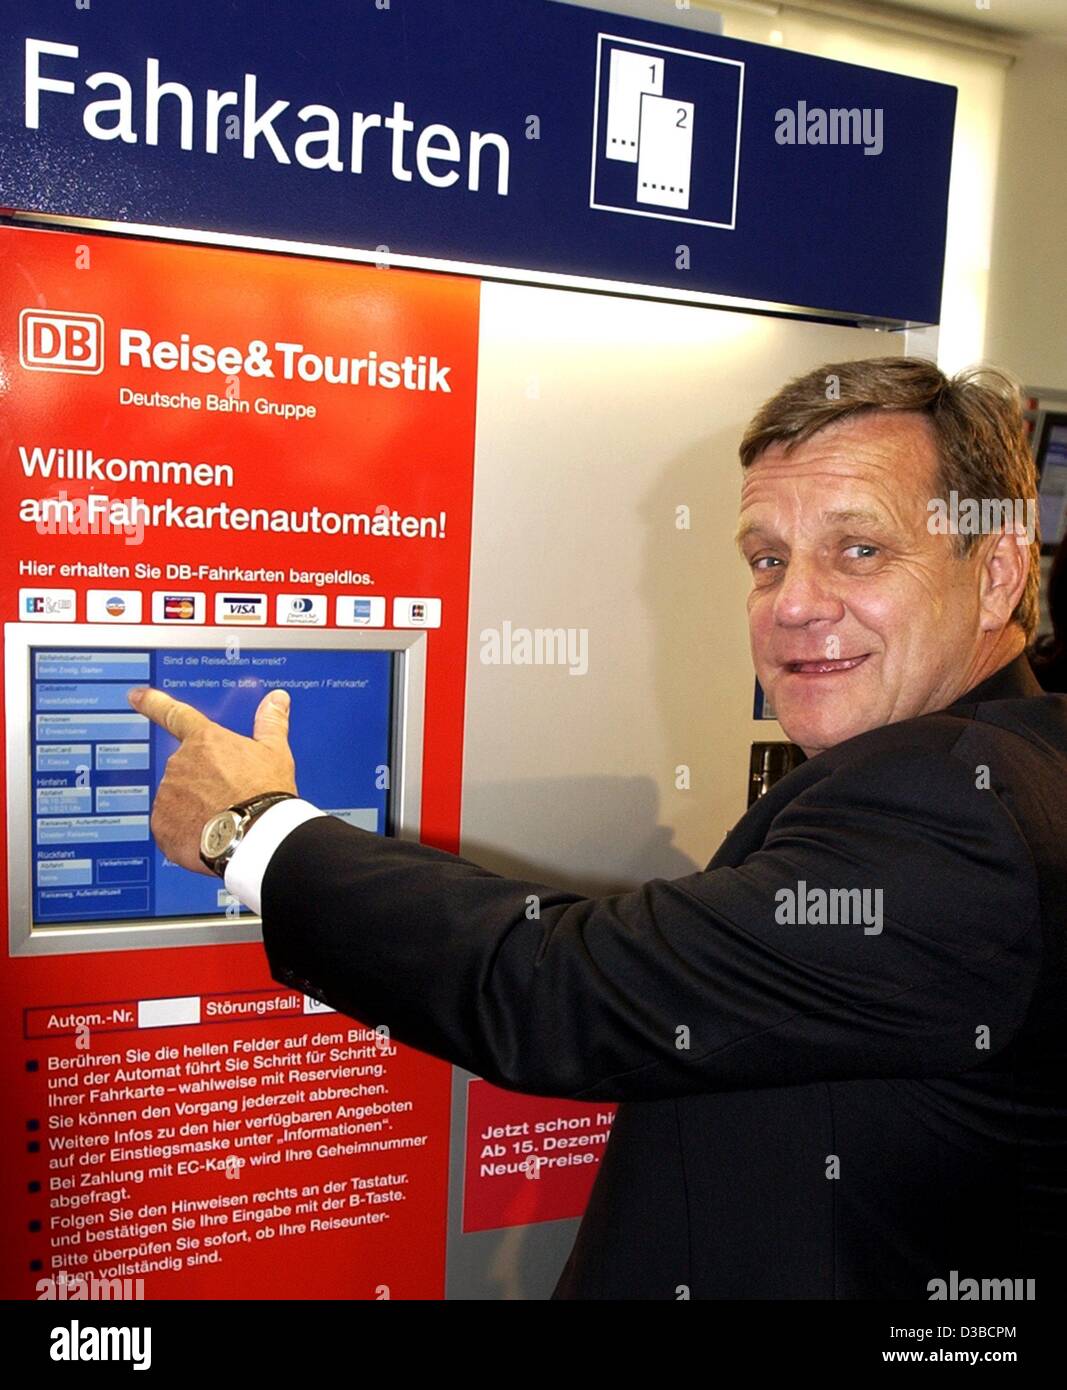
979,80
1027,321
598,417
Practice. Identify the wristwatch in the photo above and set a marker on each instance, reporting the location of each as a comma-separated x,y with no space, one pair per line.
224,832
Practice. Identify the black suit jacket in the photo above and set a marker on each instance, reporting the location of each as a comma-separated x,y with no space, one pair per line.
809,1110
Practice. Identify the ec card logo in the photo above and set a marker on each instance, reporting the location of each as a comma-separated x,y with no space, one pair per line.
666,132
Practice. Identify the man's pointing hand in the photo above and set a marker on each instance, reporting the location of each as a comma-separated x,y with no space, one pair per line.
213,768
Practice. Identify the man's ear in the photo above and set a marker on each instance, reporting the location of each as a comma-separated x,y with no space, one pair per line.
1004,564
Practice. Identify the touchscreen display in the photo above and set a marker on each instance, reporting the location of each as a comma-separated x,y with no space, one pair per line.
95,764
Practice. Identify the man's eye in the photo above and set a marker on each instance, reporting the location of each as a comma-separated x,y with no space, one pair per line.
764,562
869,550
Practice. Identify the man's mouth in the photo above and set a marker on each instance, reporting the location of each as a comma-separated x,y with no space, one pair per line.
824,667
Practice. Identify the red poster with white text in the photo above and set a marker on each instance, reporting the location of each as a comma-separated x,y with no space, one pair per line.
222,472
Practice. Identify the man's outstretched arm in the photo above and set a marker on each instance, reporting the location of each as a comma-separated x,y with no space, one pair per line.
682,985
706,982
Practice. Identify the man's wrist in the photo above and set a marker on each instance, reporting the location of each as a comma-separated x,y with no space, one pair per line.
248,863
223,832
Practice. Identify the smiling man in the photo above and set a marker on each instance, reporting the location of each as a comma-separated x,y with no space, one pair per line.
861,612
812,1108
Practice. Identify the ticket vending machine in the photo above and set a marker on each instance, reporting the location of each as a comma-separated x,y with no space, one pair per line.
218,534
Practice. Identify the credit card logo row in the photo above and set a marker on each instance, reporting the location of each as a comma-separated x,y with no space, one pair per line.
232,609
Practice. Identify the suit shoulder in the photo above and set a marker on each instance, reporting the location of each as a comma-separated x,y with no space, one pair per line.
996,730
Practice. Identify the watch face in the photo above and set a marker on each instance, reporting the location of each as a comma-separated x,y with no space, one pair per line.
219,834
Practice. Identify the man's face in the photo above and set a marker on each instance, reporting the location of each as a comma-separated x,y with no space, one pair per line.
858,615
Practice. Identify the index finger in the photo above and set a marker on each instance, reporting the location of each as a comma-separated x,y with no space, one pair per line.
175,716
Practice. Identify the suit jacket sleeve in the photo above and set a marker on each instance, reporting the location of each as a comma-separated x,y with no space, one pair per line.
691,984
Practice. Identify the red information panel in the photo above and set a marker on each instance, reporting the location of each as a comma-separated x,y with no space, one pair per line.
529,1158
213,439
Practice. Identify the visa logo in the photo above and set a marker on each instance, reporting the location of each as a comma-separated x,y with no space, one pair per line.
241,608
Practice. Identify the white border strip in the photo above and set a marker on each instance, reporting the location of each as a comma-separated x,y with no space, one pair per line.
551,279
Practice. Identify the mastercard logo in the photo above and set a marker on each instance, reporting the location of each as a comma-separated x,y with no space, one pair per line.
178,608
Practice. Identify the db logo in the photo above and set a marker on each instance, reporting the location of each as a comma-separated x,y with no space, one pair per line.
52,342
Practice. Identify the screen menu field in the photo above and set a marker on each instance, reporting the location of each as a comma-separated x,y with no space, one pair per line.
96,763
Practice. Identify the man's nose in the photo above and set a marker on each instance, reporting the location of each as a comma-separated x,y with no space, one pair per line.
806,594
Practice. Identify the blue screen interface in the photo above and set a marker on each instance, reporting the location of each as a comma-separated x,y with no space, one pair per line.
95,763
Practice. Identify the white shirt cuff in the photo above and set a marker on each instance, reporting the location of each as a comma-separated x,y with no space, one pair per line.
248,863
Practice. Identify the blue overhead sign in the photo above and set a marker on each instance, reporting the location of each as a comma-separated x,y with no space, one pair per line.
528,139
